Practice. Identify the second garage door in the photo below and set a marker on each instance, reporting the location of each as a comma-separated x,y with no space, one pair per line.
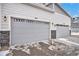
62,31
24,31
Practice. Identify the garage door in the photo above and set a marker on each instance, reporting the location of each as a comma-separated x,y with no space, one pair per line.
62,31
24,31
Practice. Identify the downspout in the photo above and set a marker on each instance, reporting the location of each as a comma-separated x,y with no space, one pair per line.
53,7
50,40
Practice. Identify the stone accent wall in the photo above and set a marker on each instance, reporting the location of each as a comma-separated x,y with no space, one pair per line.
4,38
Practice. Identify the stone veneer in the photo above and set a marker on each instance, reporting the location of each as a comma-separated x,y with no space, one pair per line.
4,38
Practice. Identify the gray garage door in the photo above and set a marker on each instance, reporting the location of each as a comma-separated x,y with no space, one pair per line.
62,31
25,30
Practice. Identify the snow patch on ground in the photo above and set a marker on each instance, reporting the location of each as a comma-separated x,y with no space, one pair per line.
74,33
68,42
3,53
63,39
27,51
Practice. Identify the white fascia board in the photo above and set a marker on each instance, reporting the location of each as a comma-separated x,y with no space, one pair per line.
53,7
41,7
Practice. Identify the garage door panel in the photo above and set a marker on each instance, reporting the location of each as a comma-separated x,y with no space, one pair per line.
62,31
23,32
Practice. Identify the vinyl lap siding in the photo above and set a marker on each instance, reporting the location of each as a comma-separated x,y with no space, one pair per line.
61,19
28,11
59,10
24,10
0,16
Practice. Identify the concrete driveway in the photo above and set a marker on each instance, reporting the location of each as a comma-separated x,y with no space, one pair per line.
73,38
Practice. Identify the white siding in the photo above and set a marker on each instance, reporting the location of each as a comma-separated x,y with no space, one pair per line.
15,9
61,19
0,16
61,31
24,10
29,11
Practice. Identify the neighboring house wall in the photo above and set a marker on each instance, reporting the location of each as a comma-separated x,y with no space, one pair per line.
75,27
75,24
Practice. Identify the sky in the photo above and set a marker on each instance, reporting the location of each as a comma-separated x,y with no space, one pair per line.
71,8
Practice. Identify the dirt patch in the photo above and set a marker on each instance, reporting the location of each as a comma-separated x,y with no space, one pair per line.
4,48
19,53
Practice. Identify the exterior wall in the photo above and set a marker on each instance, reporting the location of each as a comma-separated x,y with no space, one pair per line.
29,11
61,19
4,38
50,5
24,10
16,9
47,5
60,30
0,16
59,10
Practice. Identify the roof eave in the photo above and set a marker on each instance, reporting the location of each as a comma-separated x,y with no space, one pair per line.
63,10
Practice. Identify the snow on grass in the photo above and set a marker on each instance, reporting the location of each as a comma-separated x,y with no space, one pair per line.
3,53
74,33
66,41
27,51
